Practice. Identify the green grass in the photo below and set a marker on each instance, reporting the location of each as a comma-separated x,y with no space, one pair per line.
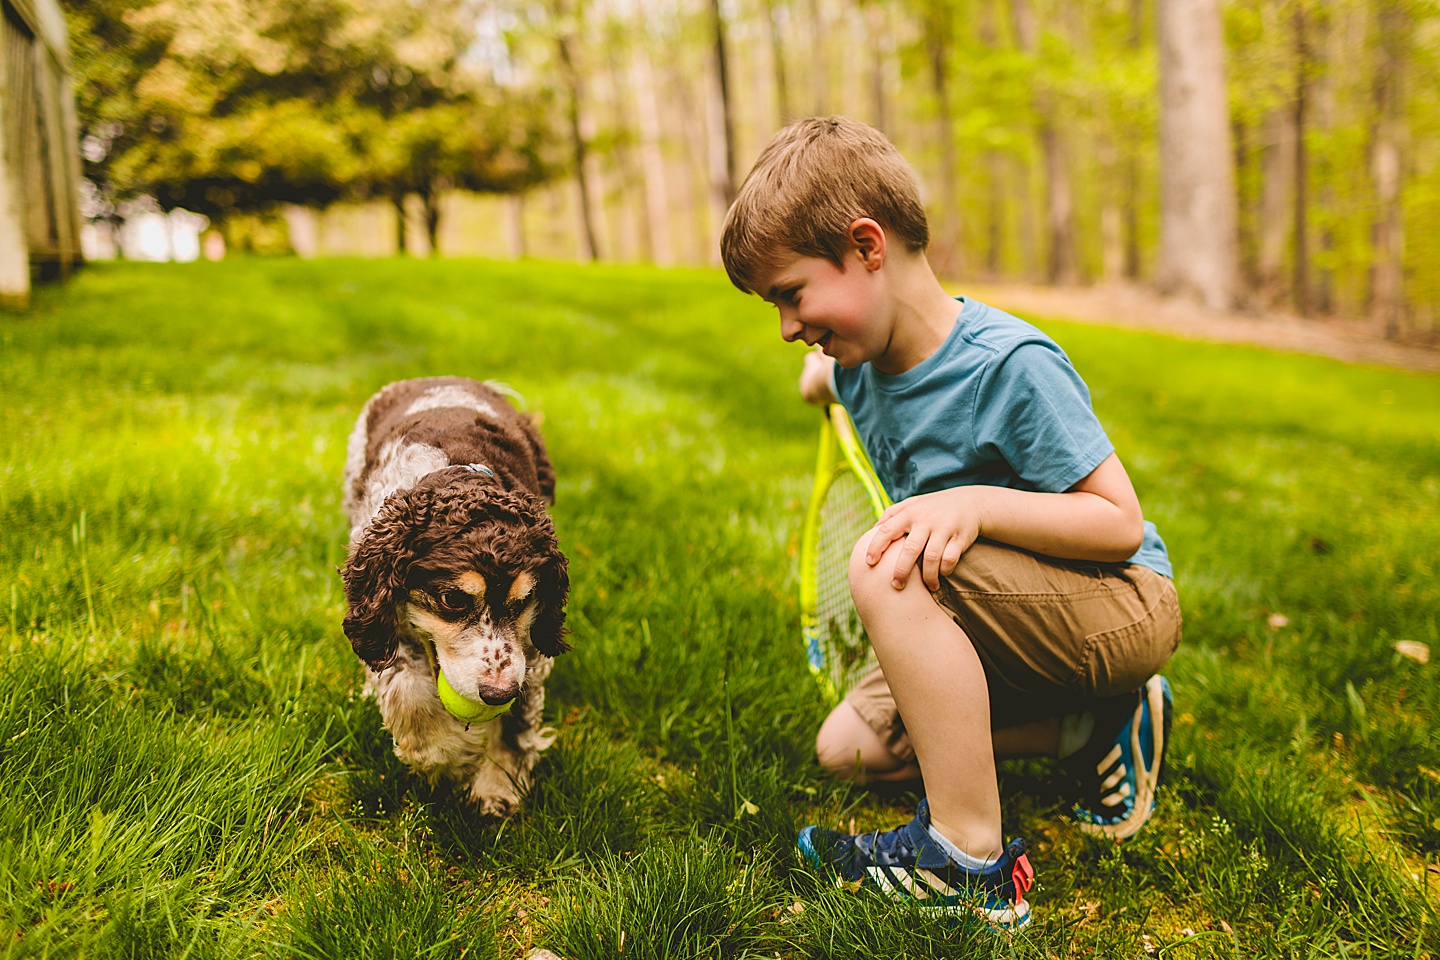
186,769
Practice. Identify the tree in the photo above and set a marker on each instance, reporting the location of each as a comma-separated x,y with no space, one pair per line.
241,106
1198,251
939,28
1061,264
565,21
727,123
1387,273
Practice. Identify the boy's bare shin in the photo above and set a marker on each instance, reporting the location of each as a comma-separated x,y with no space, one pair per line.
939,687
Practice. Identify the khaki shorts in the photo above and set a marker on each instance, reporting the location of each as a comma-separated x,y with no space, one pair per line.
1052,635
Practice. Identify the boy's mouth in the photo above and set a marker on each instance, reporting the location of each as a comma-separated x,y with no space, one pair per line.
824,341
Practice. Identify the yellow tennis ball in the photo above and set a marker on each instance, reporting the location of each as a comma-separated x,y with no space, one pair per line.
470,711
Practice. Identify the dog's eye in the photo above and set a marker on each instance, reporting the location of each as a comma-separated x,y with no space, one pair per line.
454,601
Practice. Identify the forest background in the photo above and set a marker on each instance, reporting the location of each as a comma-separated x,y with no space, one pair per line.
618,130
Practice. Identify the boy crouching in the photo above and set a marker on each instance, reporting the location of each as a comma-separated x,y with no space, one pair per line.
1018,602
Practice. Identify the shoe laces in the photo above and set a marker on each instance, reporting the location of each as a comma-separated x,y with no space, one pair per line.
889,847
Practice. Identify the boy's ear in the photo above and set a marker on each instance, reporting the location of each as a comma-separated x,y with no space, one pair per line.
869,239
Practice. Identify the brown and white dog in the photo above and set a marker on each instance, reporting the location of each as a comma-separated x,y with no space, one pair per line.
453,564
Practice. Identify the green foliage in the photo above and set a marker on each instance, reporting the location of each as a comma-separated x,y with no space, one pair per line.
187,766
379,904
678,899
221,107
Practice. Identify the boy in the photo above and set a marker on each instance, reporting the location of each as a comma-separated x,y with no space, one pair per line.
1017,601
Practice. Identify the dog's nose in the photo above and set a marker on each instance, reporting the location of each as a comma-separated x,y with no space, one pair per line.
496,694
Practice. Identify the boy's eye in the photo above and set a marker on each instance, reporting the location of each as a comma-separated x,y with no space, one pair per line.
454,601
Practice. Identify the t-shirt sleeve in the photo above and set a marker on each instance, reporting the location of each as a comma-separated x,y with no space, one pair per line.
1033,410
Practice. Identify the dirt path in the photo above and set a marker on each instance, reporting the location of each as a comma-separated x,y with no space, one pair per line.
1131,306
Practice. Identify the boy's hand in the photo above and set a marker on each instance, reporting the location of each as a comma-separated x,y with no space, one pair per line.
936,528
815,379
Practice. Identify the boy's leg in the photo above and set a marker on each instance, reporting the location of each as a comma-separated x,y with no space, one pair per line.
1053,637
940,687
848,746
851,747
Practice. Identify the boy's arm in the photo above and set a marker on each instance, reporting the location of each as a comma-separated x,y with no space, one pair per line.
1096,519
816,379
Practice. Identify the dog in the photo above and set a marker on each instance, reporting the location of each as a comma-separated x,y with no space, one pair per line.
453,564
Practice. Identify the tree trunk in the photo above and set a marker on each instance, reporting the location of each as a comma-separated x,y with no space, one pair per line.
777,61
995,229
1112,238
1301,280
819,73
652,160
1060,264
875,24
590,246
994,162
722,75
1387,276
430,199
1199,254
515,220
1277,189
397,200
691,120
945,246
1131,183
632,233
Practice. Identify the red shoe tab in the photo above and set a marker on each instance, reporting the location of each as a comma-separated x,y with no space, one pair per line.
1022,876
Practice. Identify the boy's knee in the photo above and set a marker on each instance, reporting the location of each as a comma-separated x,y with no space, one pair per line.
836,752
870,585
848,747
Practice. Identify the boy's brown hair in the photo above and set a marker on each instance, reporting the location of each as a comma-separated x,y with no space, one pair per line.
813,179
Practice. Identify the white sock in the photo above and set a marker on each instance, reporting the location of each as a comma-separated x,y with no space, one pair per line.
973,864
1075,731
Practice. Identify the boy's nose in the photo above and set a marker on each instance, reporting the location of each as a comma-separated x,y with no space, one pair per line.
790,329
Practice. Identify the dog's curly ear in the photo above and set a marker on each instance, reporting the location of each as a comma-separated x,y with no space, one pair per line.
374,576
552,586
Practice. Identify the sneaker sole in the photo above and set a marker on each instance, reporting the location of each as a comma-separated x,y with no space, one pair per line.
1006,921
1146,779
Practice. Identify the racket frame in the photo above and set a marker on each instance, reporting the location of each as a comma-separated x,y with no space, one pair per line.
840,452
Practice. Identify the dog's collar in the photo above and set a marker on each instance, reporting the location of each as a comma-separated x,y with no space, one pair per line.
479,468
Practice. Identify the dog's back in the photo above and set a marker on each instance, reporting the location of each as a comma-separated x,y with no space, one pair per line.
411,428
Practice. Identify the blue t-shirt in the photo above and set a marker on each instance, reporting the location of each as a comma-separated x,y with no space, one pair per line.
997,404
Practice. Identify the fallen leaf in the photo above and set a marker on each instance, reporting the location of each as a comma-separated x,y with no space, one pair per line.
1414,649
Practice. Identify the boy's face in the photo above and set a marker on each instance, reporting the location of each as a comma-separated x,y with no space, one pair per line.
823,304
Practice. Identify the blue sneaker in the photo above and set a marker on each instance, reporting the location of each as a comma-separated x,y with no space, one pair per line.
906,863
1118,777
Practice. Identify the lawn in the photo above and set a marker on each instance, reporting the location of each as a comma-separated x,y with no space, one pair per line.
187,768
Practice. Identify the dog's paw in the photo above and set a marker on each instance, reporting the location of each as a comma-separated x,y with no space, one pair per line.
494,792
497,806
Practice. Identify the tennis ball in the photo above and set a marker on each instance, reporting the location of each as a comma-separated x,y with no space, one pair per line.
470,711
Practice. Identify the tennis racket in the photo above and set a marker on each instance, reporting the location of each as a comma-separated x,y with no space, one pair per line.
847,501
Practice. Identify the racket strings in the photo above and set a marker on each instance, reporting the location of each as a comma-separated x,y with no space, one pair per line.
845,517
